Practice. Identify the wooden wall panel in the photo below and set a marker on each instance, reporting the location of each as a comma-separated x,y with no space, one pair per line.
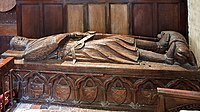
30,20
119,18
38,18
97,17
168,17
143,19
53,19
5,43
135,17
8,29
184,17
75,18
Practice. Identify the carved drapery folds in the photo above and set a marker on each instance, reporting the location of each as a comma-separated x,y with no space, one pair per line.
93,89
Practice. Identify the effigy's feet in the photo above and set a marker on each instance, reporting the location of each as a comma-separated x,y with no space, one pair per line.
179,53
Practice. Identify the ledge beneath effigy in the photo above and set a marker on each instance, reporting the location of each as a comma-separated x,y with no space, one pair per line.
99,85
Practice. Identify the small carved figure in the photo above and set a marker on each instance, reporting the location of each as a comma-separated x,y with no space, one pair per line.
169,47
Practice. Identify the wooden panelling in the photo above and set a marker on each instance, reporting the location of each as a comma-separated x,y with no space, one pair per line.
183,18
175,100
143,19
168,17
119,18
30,20
4,43
97,16
135,17
75,18
53,19
40,18
8,29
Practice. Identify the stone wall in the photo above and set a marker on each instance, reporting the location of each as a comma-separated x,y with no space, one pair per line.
194,27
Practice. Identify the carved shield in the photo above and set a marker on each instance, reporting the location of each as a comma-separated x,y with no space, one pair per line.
62,92
119,94
37,90
89,94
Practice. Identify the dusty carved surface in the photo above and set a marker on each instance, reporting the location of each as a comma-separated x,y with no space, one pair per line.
169,47
101,70
134,17
99,86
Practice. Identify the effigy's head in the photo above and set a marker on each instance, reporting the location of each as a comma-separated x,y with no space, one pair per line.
18,43
164,33
160,35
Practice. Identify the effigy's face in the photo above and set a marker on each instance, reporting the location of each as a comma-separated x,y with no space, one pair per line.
19,43
161,34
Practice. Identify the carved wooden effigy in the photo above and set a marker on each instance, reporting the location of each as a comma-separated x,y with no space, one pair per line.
96,85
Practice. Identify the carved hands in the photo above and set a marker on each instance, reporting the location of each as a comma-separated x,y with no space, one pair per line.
80,34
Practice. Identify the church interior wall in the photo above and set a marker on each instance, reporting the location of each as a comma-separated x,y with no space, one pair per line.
194,27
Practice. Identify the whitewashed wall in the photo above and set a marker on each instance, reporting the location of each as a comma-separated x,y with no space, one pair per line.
194,27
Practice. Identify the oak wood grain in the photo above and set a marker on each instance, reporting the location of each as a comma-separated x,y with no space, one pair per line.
53,19
97,17
75,18
31,21
119,18
8,29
